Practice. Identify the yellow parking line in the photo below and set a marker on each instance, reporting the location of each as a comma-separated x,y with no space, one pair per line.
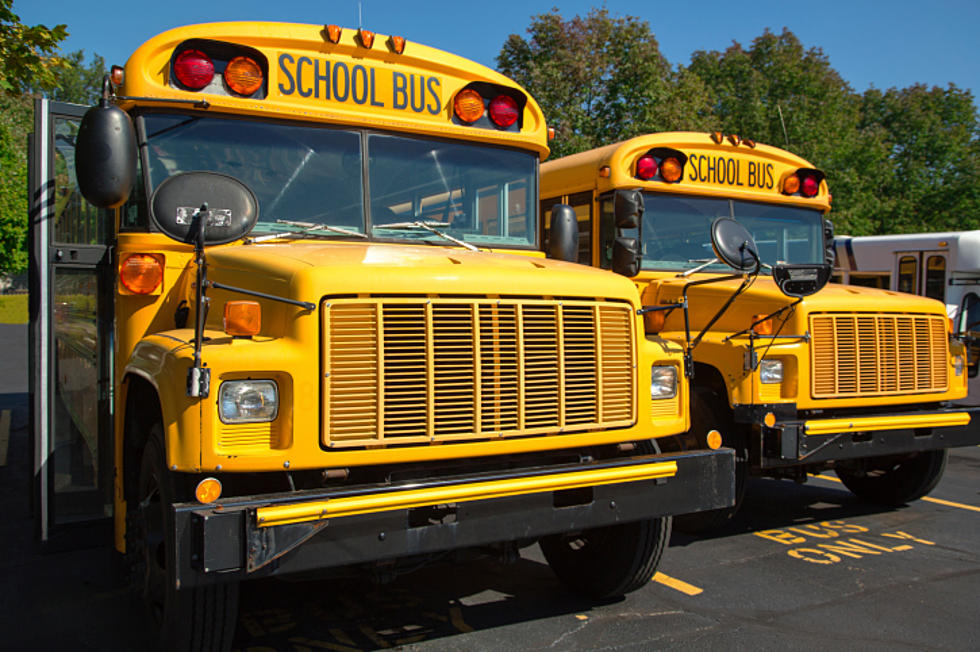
676,584
4,436
950,503
938,501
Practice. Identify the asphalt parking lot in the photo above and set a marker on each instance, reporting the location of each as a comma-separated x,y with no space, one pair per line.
801,566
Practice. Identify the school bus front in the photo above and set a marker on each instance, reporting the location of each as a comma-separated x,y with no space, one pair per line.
337,337
854,378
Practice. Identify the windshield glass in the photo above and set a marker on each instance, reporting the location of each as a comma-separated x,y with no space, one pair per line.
677,231
316,176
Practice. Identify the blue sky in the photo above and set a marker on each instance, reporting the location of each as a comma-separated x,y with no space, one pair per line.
880,44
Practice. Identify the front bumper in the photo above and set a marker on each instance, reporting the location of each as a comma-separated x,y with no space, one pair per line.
296,532
788,440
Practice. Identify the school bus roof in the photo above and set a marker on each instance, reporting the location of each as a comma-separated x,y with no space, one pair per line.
375,87
581,171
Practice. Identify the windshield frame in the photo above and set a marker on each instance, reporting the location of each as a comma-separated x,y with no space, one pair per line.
528,179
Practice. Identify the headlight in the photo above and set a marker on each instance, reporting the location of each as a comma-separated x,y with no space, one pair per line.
663,382
248,401
771,371
958,365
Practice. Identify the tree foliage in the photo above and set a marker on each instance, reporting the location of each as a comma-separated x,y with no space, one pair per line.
600,79
896,161
27,54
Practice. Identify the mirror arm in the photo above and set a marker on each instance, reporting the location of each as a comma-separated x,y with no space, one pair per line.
199,376
756,323
261,295
691,344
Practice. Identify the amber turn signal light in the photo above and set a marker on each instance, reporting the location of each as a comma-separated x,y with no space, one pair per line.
671,170
141,273
762,326
655,321
791,185
243,318
208,490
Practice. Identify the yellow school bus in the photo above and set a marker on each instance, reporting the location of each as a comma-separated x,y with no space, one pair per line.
296,315
801,376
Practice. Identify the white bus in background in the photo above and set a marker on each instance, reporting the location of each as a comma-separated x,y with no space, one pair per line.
943,266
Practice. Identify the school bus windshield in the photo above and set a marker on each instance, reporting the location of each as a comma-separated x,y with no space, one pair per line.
310,174
677,231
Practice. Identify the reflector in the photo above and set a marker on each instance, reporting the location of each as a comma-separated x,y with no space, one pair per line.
141,273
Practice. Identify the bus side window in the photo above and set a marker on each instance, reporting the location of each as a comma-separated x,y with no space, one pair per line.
907,273
936,278
607,232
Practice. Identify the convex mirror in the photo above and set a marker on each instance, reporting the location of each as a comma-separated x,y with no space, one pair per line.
734,245
232,211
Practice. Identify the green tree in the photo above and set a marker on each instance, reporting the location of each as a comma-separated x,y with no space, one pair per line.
79,82
780,93
601,79
15,124
27,54
931,146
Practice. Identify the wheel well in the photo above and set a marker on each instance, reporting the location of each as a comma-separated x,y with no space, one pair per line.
706,375
142,411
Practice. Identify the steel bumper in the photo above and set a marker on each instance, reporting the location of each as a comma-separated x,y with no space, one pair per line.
296,532
789,442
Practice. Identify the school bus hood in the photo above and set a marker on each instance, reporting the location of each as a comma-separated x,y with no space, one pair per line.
764,296
305,268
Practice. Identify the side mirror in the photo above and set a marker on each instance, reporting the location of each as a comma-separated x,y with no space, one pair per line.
734,245
563,234
628,208
232,212
830,248
105,156
626,256
801,280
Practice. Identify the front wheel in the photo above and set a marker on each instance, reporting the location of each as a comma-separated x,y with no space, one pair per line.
894,479
198,618
609,561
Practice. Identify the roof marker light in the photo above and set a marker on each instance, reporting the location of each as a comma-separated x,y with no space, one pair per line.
749,142
366,38
116,74
396,44
717,136
333,33
734,139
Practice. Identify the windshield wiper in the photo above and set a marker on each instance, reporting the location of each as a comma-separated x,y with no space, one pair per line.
306,228
426,226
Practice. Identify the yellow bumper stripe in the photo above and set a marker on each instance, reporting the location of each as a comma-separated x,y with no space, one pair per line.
861,424
372,503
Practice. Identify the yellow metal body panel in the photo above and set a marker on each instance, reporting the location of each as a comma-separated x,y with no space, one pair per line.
406,499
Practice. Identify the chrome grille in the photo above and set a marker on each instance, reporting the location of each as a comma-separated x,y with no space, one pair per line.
858,354
419,371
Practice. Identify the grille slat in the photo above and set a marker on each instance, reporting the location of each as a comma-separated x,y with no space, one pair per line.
415,371
877,355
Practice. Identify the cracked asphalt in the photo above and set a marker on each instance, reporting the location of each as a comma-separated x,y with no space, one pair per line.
807,567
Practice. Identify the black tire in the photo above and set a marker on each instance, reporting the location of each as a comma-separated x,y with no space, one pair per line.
894,480
609,561
709,411
199,618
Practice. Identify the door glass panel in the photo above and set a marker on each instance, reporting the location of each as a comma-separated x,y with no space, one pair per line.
936,278
77,405
907,274
75,220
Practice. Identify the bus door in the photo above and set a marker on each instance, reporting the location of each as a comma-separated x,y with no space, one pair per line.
922,273
71,337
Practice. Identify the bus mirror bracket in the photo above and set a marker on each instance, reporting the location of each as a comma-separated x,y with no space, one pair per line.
563,234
